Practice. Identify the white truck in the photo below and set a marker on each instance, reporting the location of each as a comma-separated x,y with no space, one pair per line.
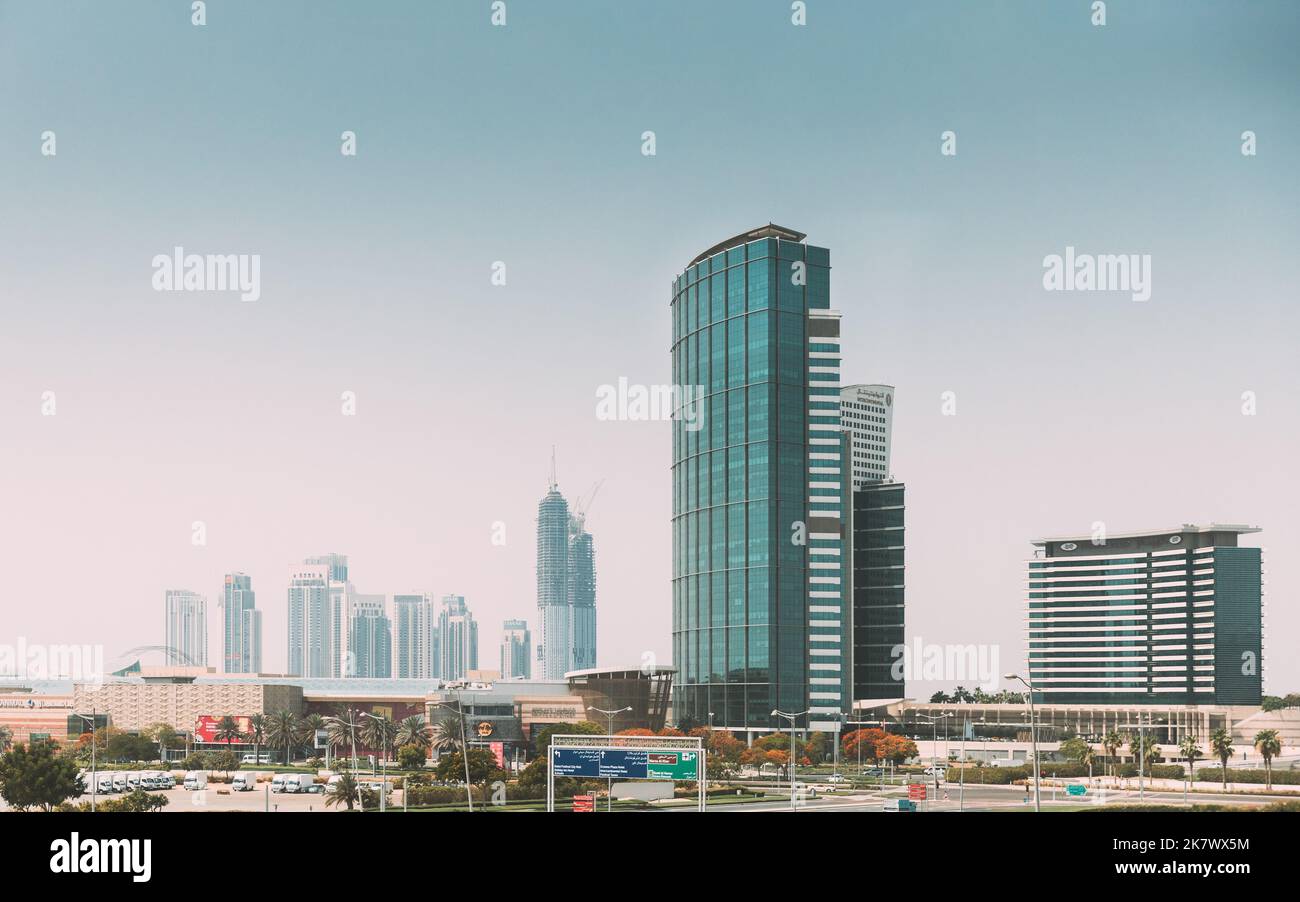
298,782
196,779
243,783
277,782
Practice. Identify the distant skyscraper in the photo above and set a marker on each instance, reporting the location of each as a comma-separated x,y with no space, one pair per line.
341,594
370,653
187,628
581,582
457,639
867,413
516,651
759,492
414,637
309,621
241,626
554,648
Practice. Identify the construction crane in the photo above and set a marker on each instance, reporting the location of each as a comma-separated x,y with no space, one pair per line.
582,506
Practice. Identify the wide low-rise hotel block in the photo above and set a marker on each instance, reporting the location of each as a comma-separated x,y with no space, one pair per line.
1170,616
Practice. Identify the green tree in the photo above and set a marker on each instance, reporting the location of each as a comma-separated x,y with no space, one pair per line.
37,777
1221,745
1190,749
257,733
6,737
1142,745
410,756
378,733
482,767
1268,743
542,741
414,730
1075,749
225,761
344,791
447,732
1111,742
136,801
282,732
340,732
227,731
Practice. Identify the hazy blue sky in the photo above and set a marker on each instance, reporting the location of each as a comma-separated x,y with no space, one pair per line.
523,144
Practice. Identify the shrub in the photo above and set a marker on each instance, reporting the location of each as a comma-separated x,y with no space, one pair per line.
1280,777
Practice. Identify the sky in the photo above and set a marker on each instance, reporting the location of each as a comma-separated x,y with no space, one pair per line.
523,145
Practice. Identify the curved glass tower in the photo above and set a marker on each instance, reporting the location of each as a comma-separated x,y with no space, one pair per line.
758,489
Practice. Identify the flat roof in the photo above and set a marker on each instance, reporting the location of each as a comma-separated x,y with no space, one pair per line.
771,230
1237,528
650,670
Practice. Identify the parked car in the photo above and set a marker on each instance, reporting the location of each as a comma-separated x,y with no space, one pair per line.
874,772
837,778
316,788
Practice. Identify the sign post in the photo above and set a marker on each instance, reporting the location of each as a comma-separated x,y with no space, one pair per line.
679,759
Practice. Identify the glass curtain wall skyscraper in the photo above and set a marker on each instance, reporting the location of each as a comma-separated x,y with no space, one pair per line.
187,628
309,621
581,595
241,626
457,639
414,633
759,490
554,644
516,651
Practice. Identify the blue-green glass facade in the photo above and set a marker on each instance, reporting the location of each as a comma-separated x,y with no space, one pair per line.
743,641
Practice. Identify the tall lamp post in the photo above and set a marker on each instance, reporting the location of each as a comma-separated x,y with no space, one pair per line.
464,747
609,716
383,766
94,776
934,746
1033,734
792,718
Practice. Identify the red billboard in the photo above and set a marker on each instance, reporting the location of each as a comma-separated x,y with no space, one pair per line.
584,803
207,726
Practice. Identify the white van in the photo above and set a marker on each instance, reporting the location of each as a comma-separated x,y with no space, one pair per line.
119,782
277,783
243,783
196,779
105,784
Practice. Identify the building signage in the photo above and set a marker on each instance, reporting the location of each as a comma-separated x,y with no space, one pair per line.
207,725
485,728
584,803
642,764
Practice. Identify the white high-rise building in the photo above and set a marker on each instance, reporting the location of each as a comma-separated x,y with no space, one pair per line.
187,628
867,414
457,639
309,621
341,597
516,651
414,637
241,626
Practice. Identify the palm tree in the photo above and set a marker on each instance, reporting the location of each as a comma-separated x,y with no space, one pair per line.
1221,743
1111,743
447,733
258,733
282,732
413,731
227,731
1191,750
378,733
1142,745
340,730
1268,744
1086,757
346,791
307,728
6,737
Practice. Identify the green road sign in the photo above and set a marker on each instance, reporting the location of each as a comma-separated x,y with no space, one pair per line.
1076,789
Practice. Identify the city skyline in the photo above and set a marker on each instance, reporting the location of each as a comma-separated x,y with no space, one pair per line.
1067,409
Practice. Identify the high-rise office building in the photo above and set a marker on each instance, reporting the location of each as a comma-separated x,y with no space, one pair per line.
241,626
1167,616
867,413
341,596
414,637
457,639
759,492
309,653
878,587
187,628
516,651
554,650
581,595
370,637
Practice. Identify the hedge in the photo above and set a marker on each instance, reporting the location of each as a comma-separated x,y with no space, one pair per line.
1001,776
1280,777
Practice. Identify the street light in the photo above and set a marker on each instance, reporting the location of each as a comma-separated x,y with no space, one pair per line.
1033,734
383,765
609,781
934,746
464,747
94,776
791,718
